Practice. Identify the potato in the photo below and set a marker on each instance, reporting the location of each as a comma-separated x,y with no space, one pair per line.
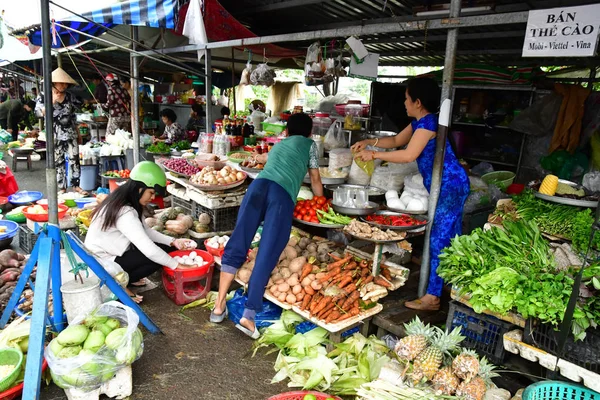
293,280
281,297
303,243
315,269
283,264
297,263
293,241
312,277
270,283
316,285
290,253
290,298
312,248
300,296
285,273
320,275
297,289
283,287
306,281
273,289
323,248
279,281
276,276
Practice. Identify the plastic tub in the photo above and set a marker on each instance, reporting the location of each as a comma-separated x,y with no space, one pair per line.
556,390
25,197
502,179
44,202
81,203
274,128
15,392
213,251
10,356
62,210
183,286
299,395
341,109
11,229
80,299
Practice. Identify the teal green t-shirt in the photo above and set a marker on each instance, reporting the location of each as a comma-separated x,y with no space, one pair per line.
288,163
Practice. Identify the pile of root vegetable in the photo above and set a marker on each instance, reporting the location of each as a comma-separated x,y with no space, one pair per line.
11,267
331,288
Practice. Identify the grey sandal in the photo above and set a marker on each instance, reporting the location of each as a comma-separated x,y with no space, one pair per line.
254,335
218,318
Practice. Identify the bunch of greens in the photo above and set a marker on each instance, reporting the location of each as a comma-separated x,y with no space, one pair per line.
181,145
511,269
304,361
159,147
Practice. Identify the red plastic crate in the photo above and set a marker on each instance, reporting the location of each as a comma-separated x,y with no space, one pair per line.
190,284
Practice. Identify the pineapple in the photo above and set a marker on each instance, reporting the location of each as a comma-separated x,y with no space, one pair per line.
445,381
416,340
466,364
430,359
475,388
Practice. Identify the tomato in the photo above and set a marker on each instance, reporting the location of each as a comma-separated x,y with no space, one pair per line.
306,218
312,202
306,210
329,201
321,201
298,207
313,213
315,220
300,203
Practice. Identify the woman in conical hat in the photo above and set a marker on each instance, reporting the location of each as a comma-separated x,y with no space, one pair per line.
65,130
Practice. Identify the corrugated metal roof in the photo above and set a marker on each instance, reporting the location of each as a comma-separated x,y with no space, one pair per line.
498,44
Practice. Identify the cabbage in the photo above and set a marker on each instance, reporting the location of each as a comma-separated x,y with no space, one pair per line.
113,323
55,347
130,352
104,328
73,335
69,351
116,338
305,193
93,320
94,341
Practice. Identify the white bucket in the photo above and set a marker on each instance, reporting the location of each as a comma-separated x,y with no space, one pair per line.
80,299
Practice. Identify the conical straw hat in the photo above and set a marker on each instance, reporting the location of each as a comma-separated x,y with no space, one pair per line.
59,75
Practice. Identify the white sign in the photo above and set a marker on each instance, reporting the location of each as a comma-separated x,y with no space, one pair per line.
562,32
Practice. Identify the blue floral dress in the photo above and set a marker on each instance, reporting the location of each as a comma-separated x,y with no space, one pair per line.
454,192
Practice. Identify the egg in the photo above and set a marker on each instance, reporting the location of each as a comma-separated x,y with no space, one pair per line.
193,254
239,176
224,172
190,262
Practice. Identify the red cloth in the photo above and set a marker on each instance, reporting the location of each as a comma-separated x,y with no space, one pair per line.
8,183
221,25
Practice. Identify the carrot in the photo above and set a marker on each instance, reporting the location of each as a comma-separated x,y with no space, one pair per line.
335,258
328,308
330,274
306,270
365,272
382,282
386,274
305,301
354,296
322,304
352,265
350,288
335,314
346,280
368,279
314,302
353,312
364,263
327,314
339,263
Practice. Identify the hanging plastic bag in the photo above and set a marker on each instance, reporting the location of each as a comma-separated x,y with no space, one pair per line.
263,75
235,307
94,347
245,79
335,137
367,166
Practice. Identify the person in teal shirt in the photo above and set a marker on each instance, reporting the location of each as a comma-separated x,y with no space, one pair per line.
270,199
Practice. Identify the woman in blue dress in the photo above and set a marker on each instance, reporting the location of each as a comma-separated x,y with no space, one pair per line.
422,102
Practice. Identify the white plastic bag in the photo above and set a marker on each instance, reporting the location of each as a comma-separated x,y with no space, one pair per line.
93,365
358,176
335,137
263,75
245,79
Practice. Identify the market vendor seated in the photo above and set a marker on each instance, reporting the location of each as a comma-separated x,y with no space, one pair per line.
196,121
118,232
174,132
270,199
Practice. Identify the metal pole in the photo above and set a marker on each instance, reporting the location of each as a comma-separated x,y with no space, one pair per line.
59,60
208,89
233,82
135,101
592,77
51,185
440,148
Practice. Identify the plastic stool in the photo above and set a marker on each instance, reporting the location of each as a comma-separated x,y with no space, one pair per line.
110,163
185,286
21,157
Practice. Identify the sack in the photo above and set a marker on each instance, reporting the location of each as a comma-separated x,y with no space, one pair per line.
335,137
8,183
86,364
269,314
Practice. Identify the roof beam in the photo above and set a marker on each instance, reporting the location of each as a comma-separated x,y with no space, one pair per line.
277,6
482,52
443,38
359,30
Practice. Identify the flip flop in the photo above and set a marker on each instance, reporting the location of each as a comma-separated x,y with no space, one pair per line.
218,318
142,282
254,335
137,298
417,304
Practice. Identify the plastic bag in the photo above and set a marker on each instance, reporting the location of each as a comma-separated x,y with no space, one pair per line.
5,137
96,363
482,169
358,176
367,166
8,183
269,314
263,75
338,159
245,79
335,137
591,181
328,103
538,119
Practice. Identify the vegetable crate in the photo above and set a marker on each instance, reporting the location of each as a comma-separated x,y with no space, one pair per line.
584,353
482,332
221,219
186,205
27,239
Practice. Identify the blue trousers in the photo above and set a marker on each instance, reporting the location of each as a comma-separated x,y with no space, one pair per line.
265,201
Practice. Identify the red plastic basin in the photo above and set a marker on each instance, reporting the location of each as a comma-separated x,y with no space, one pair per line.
299,395
15,391
191,272
62,210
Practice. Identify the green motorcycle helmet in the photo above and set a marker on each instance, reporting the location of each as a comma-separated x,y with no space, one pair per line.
150,175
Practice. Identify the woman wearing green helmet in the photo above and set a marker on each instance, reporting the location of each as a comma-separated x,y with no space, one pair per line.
118,231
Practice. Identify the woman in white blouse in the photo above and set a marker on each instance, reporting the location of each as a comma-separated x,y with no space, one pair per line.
118,231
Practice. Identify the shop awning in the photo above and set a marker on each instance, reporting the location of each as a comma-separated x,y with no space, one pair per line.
150,13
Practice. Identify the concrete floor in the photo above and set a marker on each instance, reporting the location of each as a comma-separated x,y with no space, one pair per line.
192,359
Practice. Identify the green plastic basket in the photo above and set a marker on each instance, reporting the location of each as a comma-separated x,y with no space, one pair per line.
502,179
557,390
10,356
